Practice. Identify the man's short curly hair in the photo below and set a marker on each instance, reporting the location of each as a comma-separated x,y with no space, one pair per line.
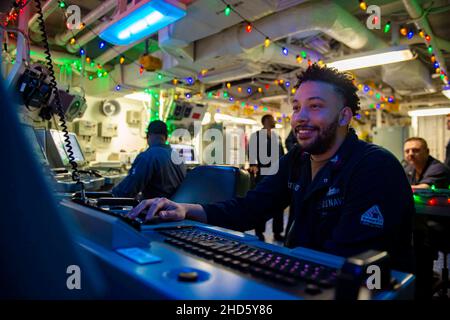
341,81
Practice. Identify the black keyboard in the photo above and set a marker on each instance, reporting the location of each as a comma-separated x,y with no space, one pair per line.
245,258
121,211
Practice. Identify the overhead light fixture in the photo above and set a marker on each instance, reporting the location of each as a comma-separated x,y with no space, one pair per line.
218,117
141,20
446,92
277,97
429,112
140,96
373,58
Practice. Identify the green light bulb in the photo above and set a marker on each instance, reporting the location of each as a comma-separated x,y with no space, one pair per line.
227,11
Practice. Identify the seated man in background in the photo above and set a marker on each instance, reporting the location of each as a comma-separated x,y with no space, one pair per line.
423,170
153,172
347,196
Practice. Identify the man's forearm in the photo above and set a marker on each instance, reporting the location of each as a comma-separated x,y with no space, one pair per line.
421,186
195,212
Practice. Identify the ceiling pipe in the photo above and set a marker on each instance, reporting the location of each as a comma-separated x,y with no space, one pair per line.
93,16
273,54
416,12
326,17
442,43
85,38
33,26
425,102
113,53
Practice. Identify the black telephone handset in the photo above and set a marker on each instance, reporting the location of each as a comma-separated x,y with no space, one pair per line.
370,269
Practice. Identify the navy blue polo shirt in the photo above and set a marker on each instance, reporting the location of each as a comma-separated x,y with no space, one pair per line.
359,200
153,173
434,173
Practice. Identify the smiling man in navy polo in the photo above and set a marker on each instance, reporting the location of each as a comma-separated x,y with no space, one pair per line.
346,195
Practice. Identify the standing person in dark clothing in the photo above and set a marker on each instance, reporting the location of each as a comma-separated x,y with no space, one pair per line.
153,172
424,171
256,163
347,195
291,141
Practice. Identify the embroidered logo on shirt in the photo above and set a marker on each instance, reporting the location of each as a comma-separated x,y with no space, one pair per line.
331,203
335,159
332,191
293,186
373,217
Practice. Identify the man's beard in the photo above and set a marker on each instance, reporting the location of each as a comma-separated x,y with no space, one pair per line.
324,140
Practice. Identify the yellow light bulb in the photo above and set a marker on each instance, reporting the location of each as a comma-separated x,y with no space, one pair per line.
363,5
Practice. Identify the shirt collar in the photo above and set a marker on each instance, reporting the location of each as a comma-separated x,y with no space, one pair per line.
160,145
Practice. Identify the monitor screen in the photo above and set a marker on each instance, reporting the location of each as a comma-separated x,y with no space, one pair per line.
40,134
60,144
36,147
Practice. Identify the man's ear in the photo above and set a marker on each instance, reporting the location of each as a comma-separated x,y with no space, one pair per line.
345,116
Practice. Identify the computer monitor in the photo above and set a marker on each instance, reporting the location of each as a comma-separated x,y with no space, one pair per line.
35,145
57,149
40,134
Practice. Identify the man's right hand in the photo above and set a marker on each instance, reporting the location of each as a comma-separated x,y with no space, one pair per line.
166,209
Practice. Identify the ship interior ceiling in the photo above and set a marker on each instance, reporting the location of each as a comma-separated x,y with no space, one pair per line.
88,83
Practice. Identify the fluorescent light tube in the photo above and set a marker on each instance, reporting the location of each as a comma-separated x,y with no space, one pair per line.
140,96
225,117
373,58
429,112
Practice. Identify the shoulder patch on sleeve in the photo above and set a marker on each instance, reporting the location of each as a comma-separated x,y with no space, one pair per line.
373,217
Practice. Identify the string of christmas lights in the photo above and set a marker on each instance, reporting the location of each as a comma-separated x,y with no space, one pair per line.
409,32
189,80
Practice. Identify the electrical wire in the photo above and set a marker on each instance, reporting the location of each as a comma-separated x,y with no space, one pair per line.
53,85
